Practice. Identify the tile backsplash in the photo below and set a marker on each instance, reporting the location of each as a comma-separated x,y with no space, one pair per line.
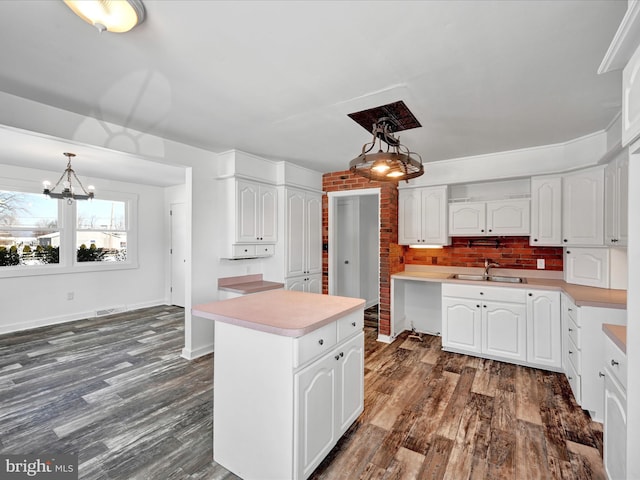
511,252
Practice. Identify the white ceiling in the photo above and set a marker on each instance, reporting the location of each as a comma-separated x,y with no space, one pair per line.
277,79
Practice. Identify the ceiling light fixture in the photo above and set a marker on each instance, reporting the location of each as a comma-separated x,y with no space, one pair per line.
68,191
394,163
116,16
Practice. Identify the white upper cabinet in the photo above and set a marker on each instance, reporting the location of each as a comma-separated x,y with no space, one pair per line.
616,195
422,216
587,266
304,233
497,217
583,207
256,212
546,211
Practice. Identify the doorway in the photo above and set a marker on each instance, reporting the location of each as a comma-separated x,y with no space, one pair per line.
354,245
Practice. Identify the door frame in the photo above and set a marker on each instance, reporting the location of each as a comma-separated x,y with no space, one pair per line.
332,209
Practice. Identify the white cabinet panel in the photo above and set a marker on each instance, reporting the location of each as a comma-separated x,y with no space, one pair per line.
256,210
587,266
544,333
303,233
631,99
583,207
546,211
616,199
504,333
615,411
461,324
467,219
508,217
422,216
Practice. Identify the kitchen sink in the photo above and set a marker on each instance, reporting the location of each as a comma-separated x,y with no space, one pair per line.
490,278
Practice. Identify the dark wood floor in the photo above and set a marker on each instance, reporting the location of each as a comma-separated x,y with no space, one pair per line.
115,391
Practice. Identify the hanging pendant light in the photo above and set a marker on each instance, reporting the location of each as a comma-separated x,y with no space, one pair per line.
392,163
68,190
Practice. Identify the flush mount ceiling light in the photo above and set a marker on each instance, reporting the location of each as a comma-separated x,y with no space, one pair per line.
111,15
68,191
393,162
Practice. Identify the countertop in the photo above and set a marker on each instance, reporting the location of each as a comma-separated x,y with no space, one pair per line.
581,295
247,284
617,334
282,312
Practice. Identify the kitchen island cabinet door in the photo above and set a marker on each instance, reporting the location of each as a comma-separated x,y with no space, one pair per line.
351,383
461,324
504,330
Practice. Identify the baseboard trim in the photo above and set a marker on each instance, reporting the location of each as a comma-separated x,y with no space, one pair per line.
385,338
197,352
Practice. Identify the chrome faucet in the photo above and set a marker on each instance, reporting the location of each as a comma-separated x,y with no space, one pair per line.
487,265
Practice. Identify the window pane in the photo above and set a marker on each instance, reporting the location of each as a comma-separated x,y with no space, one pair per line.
101,215
101,246
29,232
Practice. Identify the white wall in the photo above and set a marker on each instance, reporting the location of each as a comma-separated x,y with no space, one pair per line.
369,249
35,300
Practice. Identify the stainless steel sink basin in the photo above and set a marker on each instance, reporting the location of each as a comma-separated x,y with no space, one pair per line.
490,278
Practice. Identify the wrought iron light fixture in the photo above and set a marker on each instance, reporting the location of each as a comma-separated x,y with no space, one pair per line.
393,162
68,190
116,16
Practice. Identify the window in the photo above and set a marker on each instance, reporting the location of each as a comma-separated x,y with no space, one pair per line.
40,235
29,233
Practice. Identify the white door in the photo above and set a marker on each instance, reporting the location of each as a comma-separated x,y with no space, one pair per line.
348,281
178,253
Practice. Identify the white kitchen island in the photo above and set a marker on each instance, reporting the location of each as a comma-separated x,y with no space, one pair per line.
288,380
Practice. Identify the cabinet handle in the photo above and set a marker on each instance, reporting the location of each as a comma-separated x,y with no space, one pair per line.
490,230
484,306
481,293
245,250
321,341
353,324
342,354
482,230
337,357
535,239
477,306
565,241
570,309
614,363
571,329
531,294
568,252
600,374
570,352
570,378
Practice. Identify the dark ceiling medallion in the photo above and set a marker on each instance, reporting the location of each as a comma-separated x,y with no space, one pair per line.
397,112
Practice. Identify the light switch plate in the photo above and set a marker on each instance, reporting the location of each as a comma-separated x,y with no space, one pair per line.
541,264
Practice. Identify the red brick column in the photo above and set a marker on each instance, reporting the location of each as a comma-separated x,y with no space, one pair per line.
390,252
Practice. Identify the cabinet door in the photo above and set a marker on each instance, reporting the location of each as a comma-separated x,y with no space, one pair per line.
315,393
504,330
610,207
583,207
615,429
467,218
313,237
247,194
295,284
622,200
631,99
409,217
544,333
350,402
546,211
295,251
587,266
461,324
268,214
434,219
313,284
508,217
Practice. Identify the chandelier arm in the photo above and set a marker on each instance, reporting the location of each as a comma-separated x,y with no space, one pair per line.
79,182
58,182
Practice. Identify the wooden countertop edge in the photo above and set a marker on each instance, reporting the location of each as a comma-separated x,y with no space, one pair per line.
540,283
617,334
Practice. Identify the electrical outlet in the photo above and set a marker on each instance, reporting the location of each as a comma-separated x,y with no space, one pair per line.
69,295
541,264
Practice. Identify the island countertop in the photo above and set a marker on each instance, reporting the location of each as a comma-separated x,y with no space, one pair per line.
282,312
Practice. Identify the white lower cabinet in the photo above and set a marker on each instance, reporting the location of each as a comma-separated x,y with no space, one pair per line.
615,412
461,324
544,329
504,330
329,397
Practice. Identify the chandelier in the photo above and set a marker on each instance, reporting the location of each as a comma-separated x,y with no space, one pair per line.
393,162
68,191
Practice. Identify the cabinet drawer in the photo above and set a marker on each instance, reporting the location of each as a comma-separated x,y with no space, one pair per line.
574,332
313,344
574,355
265,250
514,295
575,381
615,361
350,325
243,250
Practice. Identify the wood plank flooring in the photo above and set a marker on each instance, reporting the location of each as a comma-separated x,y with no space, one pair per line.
115,391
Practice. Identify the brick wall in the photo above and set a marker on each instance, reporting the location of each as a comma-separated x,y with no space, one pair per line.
513,252
390,251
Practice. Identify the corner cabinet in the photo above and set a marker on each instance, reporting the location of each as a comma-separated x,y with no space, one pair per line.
422,216
303,231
